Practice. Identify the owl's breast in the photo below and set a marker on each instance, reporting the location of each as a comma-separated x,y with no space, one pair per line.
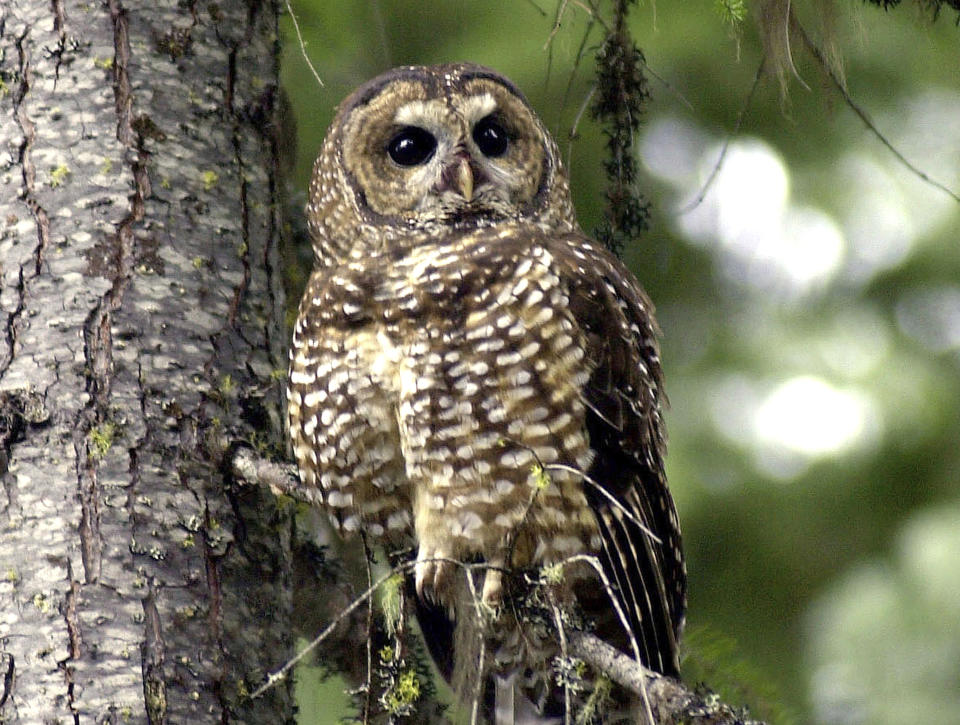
342,405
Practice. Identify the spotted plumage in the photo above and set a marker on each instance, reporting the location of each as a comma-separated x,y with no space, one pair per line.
470,375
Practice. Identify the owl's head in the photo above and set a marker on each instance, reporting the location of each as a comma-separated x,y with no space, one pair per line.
433,148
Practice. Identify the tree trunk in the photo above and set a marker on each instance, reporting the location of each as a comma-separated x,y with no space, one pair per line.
141,316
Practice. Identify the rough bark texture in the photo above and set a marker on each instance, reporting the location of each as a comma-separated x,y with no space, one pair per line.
140,316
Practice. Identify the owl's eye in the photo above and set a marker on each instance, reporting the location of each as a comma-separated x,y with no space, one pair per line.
490,137
412,146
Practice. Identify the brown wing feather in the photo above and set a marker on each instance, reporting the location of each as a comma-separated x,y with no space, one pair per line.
642,552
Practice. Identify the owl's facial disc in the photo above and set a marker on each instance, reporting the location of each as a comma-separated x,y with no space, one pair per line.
429,156
450,151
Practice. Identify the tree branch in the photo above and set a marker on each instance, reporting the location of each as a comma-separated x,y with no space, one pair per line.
671,700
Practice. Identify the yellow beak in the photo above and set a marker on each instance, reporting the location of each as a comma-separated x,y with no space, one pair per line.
464,179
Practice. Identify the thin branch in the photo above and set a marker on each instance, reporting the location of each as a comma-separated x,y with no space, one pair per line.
576,121
863,116
668,85
726,146
274,677
624,622
562,636
303,45
606,494
538,8
368,685
478,687
561,8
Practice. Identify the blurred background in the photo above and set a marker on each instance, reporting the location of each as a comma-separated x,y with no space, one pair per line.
810,306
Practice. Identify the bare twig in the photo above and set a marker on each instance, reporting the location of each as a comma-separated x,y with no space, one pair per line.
303,45
726,146
368,684
538,8
561,8
274,677
624,622
863,116
611,499
668,85
562,636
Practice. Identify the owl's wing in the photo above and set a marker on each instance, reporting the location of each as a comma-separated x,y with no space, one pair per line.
627,487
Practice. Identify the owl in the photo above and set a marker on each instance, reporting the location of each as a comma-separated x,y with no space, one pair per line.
476,382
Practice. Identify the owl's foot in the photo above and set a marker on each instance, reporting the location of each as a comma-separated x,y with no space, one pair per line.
492,594
433,575
434,578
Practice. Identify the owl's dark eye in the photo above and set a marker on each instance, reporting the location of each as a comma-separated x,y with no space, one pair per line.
490,137
412,146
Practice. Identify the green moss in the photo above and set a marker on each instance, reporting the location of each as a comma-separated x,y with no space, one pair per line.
552,573
58,176
540,477
155,700
101,437
103,63
402,697
596,704
391,603
227,385
242,690
210,180
41,602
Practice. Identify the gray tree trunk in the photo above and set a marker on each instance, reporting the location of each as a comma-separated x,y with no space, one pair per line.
140,326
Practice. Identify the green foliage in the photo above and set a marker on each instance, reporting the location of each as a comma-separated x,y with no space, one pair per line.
597,702
541,479
712,657
401,699
59,175
732,11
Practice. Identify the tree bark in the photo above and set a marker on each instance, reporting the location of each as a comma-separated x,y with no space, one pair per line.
140,318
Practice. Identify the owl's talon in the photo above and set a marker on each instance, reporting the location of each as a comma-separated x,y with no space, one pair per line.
433,576
492,594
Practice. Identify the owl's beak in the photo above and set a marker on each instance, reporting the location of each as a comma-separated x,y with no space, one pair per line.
463,180
461,177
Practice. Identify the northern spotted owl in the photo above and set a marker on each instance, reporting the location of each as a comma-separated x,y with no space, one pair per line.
472,379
